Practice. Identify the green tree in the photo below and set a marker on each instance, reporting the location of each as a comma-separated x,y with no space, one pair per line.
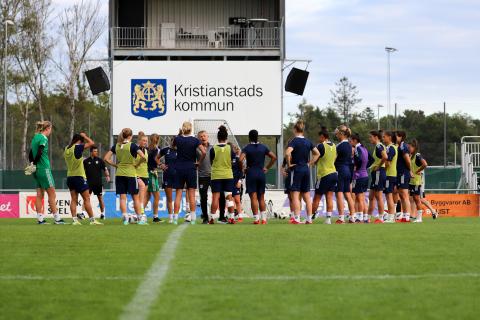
344,98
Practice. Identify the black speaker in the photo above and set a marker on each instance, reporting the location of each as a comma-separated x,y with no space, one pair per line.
296,81
98,80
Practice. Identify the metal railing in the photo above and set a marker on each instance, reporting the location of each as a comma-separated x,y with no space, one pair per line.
470,161
218,38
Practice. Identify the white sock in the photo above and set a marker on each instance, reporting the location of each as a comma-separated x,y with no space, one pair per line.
40,217
175,216
56,216
263,215
406,215
329,215
341,217
256,217
74,219
366,217
193,216
297,218
360,216
309,218
419,215
170,216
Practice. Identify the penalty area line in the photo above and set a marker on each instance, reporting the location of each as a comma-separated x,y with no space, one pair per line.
139,307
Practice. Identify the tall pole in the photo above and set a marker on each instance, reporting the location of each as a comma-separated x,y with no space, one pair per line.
389,50
396,122
444,134
378,116
4,147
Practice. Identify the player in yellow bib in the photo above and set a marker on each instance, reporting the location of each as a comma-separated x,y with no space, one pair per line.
76,177
141,167
221,156
418,165
378,176
389,140
126,176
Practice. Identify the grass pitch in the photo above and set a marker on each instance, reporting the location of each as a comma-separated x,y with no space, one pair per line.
277,271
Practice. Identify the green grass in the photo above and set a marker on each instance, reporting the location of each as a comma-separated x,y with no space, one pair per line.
277,271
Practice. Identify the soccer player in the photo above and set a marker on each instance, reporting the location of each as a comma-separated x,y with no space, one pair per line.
141,167
43,174
255,153
298,155
378,176
153,187
389,140
417,164
186,170
76,177
360,175
343,165
238,177
94,168
126,177
169,156
327,176
221,156
404,174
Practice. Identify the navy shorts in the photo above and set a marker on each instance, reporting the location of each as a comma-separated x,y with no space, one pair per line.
415,190
126,185
300,179
237,191
378,180
77,184
96,189
326,184
222,185
344,181
360,185
185,178
168,179
255,181
145,181
403,181
287,183
390,184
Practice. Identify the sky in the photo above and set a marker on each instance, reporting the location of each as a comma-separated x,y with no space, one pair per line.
437,61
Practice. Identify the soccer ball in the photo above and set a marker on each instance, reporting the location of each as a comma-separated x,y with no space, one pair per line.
187,217
281,215
132,218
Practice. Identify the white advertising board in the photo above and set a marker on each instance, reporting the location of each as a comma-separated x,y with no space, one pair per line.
158,96
27,205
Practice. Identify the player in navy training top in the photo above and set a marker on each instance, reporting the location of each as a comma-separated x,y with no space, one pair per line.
343,165
298,155
186,169
169,156
404,174
255,154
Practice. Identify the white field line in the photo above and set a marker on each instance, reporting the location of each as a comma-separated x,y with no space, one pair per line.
139,307
252,278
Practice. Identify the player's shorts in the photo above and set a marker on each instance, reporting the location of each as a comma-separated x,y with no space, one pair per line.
326,184
300,179
344,181
44,178
255,181
77,184
415,190
145,180
360,185
185,178
390,184
286,183
222,185
126,185
379,178
403,181
236,191
153,185
168,179
96,189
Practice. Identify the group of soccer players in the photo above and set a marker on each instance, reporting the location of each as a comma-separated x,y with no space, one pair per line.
342,171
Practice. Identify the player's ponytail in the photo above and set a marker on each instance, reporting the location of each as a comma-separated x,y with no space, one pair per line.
186,128
299,126
324,133
253,136
415,145
222,134
344,131
153,141
41,126
126,133
76,137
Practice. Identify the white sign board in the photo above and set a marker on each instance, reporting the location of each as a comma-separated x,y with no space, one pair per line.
158,96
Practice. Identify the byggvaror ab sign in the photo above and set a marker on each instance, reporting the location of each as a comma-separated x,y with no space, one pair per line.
157,96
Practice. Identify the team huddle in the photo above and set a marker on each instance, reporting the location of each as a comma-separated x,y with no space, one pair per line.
190,162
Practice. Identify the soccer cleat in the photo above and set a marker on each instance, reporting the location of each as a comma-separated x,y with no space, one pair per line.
42,222
293,221
350,221
264,221
175,222
95,223
339,222
59,221
404,220
212,221
102,216
378,221
125,222
328,221
157,220
308,222
358,221
170,221
76,223
231,221
142,223
417,221
434,214
256,222
240,220
193,222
